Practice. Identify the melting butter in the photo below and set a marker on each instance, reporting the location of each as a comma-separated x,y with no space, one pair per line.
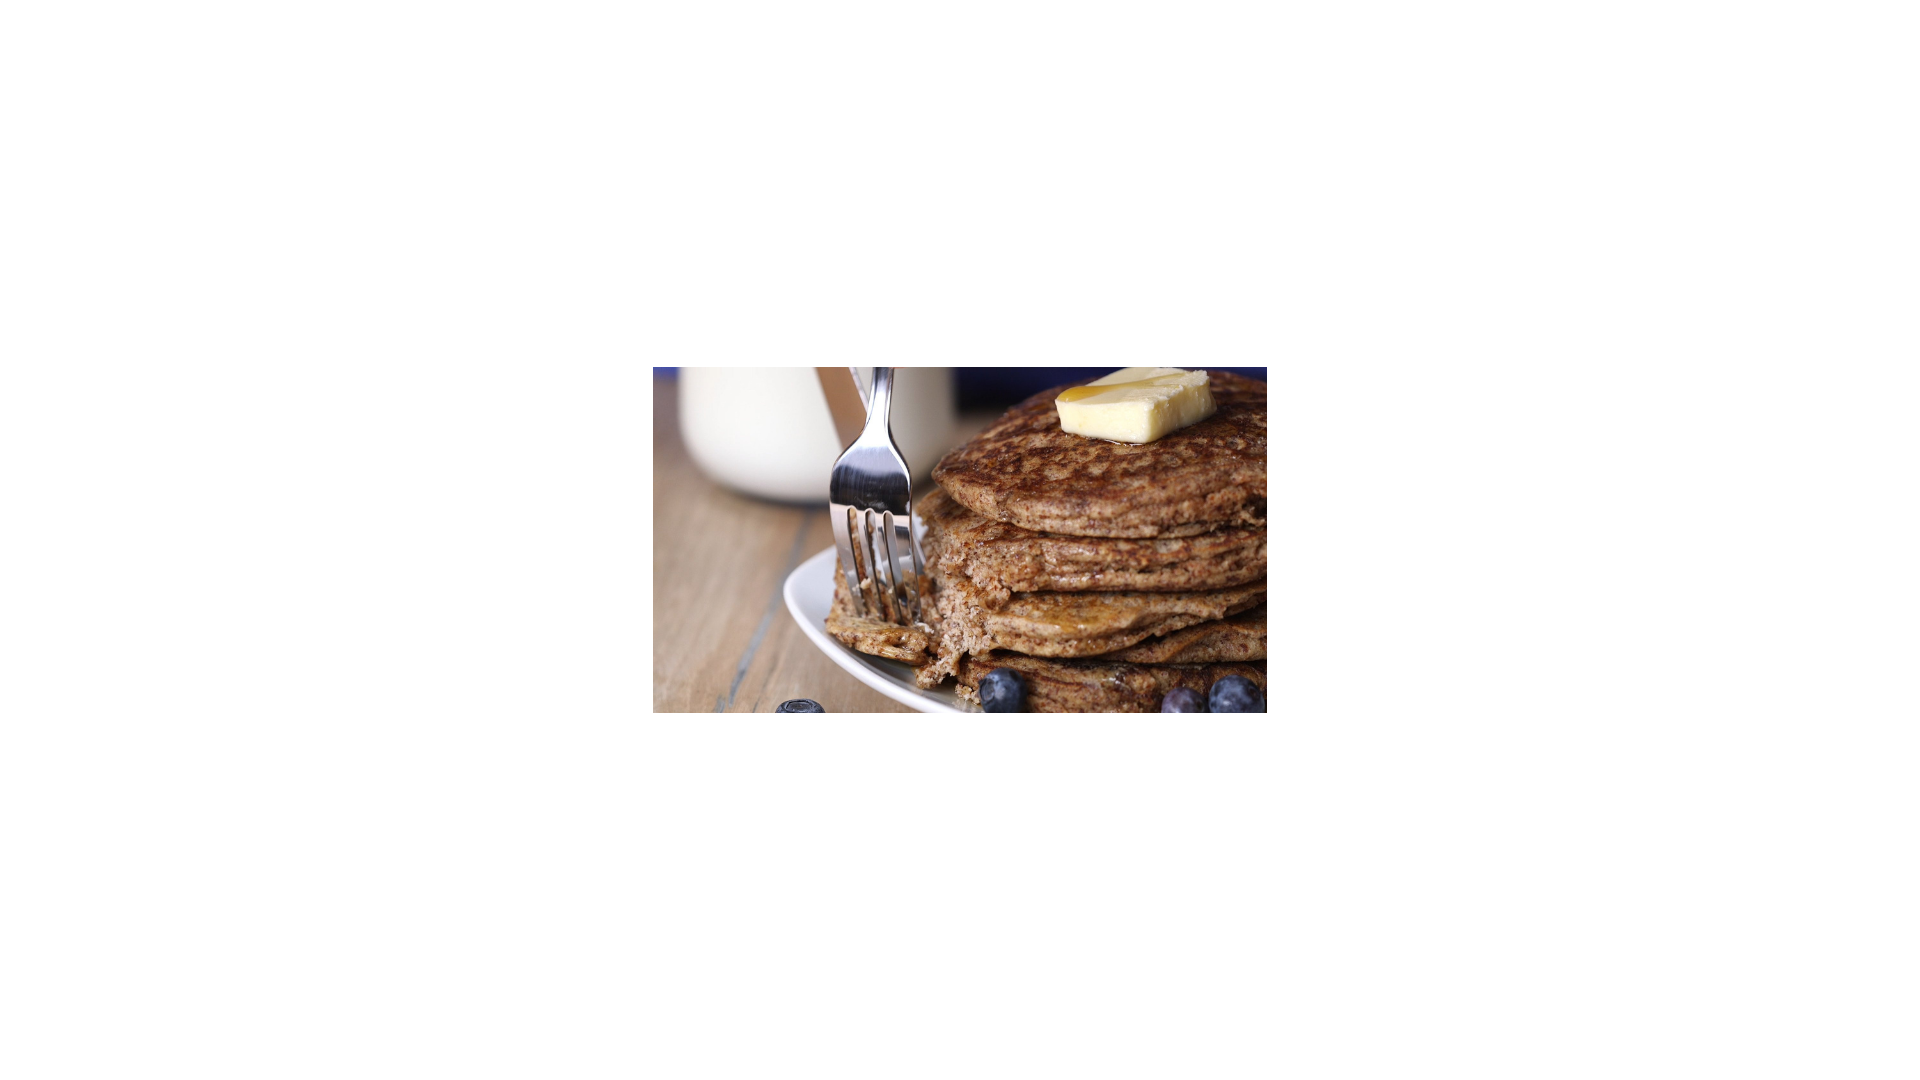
1136,405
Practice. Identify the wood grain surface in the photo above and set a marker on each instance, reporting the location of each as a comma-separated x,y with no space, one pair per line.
723,640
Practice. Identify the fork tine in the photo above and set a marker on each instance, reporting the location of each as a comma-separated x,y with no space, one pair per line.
863,551
910,596
869,567
882,586
843,540
893,571
919,569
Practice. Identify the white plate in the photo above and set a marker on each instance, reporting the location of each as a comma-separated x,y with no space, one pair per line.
809,593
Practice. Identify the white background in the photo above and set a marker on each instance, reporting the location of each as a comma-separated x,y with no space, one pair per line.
325,536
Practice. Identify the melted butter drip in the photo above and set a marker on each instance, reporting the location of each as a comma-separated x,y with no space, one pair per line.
1082,393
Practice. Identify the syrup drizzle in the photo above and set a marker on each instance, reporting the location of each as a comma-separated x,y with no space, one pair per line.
1082,393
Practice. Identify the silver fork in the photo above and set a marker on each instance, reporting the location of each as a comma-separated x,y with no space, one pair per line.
870,499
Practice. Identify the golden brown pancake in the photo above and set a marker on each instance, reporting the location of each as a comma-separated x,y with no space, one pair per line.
1236,639
1024,470
1062,624
1003,559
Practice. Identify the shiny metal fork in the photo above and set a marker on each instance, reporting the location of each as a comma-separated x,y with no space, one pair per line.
870,499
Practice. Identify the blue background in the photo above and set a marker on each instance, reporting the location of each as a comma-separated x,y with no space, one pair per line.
983,387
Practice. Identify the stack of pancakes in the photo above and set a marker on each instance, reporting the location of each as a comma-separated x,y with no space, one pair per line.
1104,573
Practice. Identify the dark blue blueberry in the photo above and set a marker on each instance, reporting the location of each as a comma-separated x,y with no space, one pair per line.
1236,693
800,704
1002,690
1181,699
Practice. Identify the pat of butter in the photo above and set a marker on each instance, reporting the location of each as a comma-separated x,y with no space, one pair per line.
1136,405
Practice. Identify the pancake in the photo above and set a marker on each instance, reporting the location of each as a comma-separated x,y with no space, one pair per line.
1024,470
1236,639
1098,685
1003,559
875,637
1064,624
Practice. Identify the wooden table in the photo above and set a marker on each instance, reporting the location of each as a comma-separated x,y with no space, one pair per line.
723,640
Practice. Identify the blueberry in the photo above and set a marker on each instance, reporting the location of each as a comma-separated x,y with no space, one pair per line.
1236,693
800,704
1002,690
1181,699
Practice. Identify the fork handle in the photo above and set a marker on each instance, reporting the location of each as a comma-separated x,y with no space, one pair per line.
880,402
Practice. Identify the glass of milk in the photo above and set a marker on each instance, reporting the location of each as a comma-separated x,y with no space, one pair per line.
767,431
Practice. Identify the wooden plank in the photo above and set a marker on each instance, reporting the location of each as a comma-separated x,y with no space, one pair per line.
719,561
789,665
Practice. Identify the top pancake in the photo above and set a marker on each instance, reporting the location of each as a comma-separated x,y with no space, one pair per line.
1025,471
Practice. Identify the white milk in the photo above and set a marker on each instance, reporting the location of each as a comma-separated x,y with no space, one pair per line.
767,431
